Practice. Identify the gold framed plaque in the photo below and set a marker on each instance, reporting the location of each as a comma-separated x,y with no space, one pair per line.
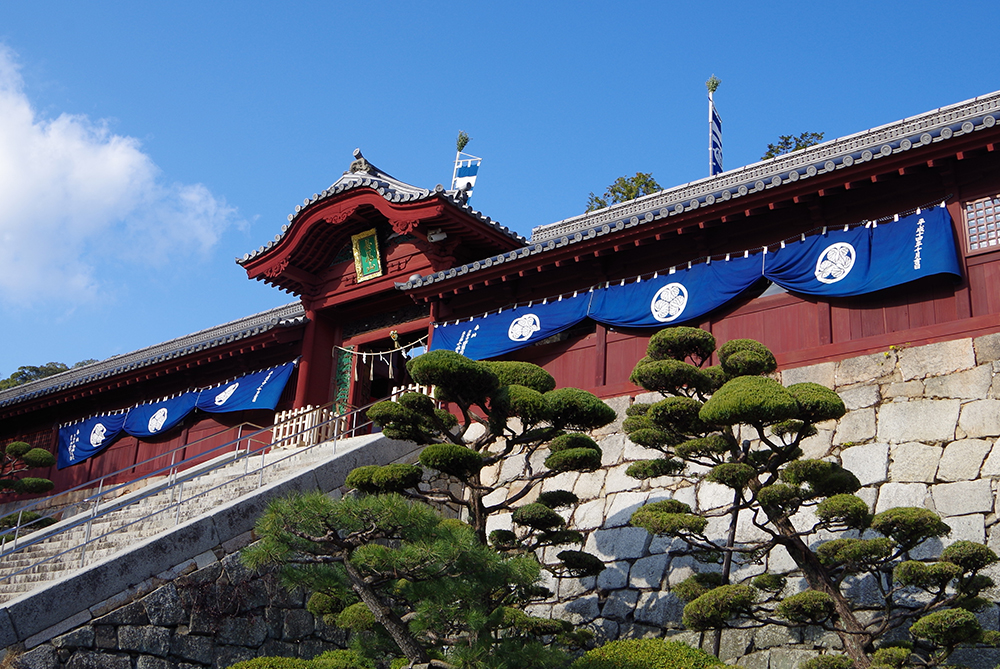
367,259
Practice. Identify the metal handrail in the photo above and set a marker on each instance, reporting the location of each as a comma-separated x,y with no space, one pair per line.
338,432
173,467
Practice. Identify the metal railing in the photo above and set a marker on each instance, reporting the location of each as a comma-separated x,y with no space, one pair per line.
176,474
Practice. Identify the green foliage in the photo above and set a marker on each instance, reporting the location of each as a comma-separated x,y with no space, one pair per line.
373,479
38,457
844,509
513,373
17,458
646,654
462,141
970,556
572,440
824,478
533,625
855,554
948,628
754,400
716,607
356,617
909,526
746,357
677,413
789,143
537,516
30,522
922,575
671,524
704,447
624,189
671,377
399,422
468,382
575,409
28,485
29,373
526,403
810,606
669,517
331,659
828,662
667,506
459,461
733,475
680,343
780,497
581,563
417,402
892,656
817,403
697,585
648,469
555,499
574,460
503,539
769,582
17,449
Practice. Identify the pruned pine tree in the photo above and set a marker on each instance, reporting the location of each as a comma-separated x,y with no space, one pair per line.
792,503
407,582
17,458
509,410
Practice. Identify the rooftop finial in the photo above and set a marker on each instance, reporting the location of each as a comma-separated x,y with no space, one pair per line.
359,164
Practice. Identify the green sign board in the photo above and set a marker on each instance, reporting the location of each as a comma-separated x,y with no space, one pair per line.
367,259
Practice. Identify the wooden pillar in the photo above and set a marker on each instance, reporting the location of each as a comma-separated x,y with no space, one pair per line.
601,356
824,322
316,365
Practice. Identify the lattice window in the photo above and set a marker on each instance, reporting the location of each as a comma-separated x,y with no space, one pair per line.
982,223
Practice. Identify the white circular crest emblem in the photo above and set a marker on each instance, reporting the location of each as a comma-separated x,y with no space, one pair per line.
523,327
669,302
221,398
835,262
97,434
157,420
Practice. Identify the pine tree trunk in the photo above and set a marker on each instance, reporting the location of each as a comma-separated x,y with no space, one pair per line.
857,642
477,510
386,617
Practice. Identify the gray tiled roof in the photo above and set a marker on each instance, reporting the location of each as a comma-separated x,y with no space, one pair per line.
285,316
392,189
909,134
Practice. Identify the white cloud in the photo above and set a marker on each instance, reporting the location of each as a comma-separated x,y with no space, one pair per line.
73,195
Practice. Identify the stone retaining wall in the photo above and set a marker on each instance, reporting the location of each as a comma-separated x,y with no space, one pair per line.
921,430
208,612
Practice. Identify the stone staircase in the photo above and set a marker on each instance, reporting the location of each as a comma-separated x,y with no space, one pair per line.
71,545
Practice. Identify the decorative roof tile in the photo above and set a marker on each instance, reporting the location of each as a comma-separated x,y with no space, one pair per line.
286,316
363,174
909,134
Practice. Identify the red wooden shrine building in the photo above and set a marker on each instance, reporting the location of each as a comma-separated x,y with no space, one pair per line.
375,263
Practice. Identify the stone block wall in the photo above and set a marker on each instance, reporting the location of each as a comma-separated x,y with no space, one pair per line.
207,612
922,429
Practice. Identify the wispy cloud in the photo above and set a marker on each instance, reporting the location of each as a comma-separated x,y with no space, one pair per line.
75,196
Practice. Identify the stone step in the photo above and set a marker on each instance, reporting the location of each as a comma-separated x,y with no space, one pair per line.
116,530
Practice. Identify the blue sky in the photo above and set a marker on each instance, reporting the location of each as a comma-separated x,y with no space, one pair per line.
143,146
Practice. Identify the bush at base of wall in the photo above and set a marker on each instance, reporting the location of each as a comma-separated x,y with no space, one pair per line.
646,654
332,659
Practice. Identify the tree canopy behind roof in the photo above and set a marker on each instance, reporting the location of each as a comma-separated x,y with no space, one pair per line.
624,189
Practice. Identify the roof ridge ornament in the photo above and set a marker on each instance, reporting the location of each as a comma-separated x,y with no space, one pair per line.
360,165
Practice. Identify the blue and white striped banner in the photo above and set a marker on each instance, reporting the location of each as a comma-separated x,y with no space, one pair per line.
714,140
